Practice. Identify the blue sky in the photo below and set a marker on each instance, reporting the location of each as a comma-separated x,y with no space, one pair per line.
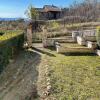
16,8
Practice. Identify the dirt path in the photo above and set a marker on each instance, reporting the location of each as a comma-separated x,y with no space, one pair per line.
19,77
25,76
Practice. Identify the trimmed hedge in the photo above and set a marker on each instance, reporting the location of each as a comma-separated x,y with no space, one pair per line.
9,45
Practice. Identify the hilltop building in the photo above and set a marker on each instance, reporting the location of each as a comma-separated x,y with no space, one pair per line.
49,12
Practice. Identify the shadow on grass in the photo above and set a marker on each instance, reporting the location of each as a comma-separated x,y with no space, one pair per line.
78,54
43,52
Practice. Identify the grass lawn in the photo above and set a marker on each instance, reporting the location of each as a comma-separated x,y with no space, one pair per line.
74,77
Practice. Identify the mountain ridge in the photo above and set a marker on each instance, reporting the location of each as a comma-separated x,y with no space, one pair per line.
9,19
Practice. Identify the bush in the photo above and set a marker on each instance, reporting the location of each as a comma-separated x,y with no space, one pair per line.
9,44
98,36
54,24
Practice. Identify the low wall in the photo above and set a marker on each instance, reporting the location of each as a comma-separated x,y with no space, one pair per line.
61,49
90,38
51,41
48,43
74,50
88,35
63,40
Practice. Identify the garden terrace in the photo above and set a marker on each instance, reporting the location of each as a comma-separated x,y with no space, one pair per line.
74,77
56,29
73,48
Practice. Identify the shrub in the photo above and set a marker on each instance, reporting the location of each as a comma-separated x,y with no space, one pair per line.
54,24
98,36
9,44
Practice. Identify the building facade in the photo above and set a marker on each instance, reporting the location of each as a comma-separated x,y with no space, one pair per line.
49,12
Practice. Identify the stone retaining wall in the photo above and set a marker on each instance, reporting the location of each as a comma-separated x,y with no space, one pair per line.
51,41
88,35
48,43
90,38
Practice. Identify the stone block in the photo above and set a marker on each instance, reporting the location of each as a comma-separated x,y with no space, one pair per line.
98,52
91,44
75,34
81,40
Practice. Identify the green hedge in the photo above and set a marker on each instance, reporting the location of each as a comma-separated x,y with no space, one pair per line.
9,45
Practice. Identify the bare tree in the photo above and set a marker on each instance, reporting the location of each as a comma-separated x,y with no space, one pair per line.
32,13
88,10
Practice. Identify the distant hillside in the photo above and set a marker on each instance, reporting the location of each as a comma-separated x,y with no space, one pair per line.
9,19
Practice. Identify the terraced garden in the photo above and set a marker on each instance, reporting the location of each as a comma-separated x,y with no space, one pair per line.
73,76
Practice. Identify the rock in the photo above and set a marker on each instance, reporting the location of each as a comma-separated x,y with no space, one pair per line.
47,73
98,52
5,87
48,79
11,61
46,93
49,88
48,83
14,77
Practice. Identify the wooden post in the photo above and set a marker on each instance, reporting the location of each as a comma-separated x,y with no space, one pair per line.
29,35
57,47
44,36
